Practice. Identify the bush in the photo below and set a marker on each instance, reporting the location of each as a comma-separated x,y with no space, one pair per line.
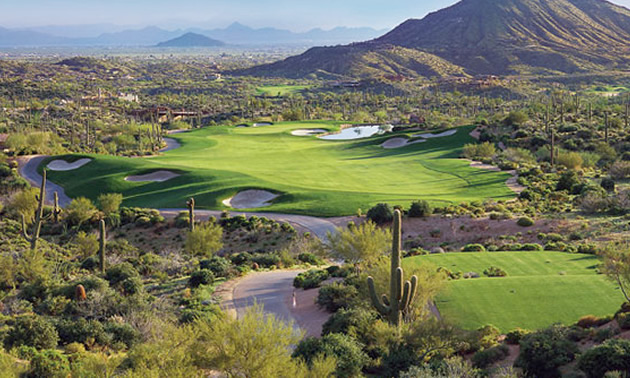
570,160
591,321
80,210
543,352
623,319
483,150
81,331
123,333
350,356
49,364
610,356
568,180
310,279
32,331
487,357
608,184
532,247
242,258
474,248
514,337
201,277
219,266
381,214
204,240
494,271
525,222
420,209
310,258
335,296
121,272
267,260
352,321
620,170
132,285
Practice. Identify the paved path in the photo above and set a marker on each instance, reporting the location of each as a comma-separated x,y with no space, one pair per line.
28,169
274,291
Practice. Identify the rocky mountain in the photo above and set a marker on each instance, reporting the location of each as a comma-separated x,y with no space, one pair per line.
191,40
486,37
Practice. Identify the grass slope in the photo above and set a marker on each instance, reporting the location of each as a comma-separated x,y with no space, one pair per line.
542,288
313,176
280,90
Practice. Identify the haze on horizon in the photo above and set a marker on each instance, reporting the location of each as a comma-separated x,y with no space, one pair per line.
295,15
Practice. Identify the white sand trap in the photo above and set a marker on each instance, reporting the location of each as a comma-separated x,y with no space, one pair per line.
262,124
399,142
157,176
440,135
250,199
62,165
308,132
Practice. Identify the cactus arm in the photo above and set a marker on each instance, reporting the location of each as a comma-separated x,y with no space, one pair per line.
414,288
380,307
385,300
102,242
404,301
399,282
25,234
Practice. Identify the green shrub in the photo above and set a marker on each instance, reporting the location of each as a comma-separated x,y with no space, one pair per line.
81,331
381,214
201,277
267,260
123,333
33,331
350,357
310,258
335,296
543,352
132,285
219,266
487,357
243,258
613,355
591,321
532,247
608,184
420,209
525,222
514,337
50,364
119,273
494,271
624,321
310,279
474,248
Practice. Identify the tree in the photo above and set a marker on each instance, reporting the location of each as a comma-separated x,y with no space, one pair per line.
616,266
109,203
24,203
543,352
80,210
381,214
204,240
85,244
257,345
359,245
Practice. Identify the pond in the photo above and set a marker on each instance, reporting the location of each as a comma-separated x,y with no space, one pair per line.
358,132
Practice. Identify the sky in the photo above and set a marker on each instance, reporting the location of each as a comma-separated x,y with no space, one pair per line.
296,15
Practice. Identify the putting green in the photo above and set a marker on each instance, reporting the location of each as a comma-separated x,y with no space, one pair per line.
542,288
312,176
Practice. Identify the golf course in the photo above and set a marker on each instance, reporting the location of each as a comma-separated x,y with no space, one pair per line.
540,289
297,172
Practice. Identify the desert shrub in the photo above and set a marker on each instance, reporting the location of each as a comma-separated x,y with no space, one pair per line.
80,210
568,180
381,214
613,355
487,357
519,155
340,271
608,184
121,272
201,277
620,170
543,352
336,295
123,333
479,151
587,248
81,331
420,209
204,240
570,160
310,279
49,364
532,247
310,258
131,286
243,258
109,203
593,202
32,331
623,319
525,222
350,357
514,337
219,266
474,248
267,260
494,271
350,321
591,321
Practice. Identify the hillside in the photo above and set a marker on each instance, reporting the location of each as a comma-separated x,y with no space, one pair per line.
191,40
486,36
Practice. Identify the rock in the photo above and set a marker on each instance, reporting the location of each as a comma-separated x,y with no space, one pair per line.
436,250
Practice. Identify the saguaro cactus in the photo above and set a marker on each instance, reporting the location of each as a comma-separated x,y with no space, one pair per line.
39,217
102,243
401,293
56,209
191,213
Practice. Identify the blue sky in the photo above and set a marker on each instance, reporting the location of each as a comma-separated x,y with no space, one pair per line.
290,14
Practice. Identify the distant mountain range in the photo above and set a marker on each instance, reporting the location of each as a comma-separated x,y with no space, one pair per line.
481,37
235,34
191,40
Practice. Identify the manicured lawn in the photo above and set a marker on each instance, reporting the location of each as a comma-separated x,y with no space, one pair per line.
312,176
542,288
280,90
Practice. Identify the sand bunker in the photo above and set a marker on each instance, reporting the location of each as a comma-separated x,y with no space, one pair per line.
62,165
308,132
512,182
250,199
157,176
262,124
440,135
400,142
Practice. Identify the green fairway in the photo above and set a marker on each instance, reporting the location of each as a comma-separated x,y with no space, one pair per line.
542,288
280,90
312,176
